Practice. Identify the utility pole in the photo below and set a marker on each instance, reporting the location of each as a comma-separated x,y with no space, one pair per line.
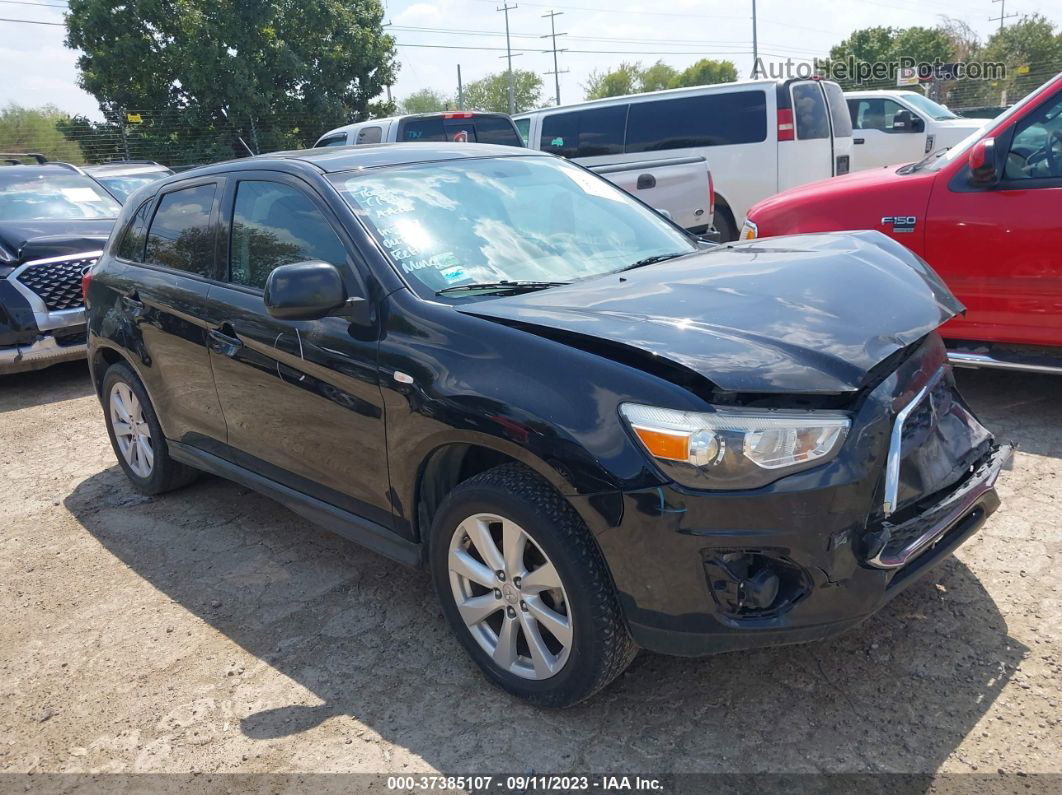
755,49
1002,13
509,54
460,90
553,34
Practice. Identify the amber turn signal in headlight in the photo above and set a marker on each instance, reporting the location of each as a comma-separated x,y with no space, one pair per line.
735,448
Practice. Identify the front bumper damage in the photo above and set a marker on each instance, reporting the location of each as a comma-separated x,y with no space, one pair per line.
815,553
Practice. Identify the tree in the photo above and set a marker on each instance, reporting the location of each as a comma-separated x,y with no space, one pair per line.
705,73
491,93
274,74
887,46
36,130
1031,50
656,77
425,101
626,79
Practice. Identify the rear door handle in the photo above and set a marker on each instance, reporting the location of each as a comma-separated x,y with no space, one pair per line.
646,181
223,340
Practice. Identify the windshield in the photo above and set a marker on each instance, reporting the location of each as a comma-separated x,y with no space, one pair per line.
46,196
520,219
127,183
932,109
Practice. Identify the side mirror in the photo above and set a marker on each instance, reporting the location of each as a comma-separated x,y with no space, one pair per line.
918,124
304,291
983,167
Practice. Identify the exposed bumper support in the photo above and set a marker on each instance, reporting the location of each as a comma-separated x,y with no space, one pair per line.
924,531
43,353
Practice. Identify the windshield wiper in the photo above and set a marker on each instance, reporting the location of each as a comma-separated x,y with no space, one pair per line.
652,260
502,286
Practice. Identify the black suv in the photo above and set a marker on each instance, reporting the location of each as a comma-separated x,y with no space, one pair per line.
595,431
54,221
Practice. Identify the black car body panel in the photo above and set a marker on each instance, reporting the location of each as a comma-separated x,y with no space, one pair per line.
362,421
806,315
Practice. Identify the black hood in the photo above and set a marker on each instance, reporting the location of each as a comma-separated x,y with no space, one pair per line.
27,240
807,314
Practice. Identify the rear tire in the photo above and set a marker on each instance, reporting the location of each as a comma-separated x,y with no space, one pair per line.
519,560
136,435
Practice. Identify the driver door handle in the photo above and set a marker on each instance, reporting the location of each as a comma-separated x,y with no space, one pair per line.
223,340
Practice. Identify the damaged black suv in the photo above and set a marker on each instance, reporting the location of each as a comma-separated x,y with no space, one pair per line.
595,431
53,223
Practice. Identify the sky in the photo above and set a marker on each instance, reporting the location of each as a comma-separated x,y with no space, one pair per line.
435,36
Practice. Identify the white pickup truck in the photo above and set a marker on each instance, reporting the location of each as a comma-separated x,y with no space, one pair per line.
894,127
680,187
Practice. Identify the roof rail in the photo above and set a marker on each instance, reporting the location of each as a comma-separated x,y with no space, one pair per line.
14,157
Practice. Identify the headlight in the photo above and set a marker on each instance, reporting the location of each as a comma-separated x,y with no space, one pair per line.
736,448
749,231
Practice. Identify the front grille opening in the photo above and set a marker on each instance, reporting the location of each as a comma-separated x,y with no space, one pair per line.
57,283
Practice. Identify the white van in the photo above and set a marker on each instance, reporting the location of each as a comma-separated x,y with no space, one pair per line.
892,127
459,125
759,136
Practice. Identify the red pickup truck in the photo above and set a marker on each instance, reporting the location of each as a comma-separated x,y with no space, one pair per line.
986,214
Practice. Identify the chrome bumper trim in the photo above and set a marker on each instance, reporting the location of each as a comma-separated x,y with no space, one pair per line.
42,353
966,499
50,319
892,463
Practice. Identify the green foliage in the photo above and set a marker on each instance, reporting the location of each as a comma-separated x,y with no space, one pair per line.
626,79
427,101
276,74
633,78
37,130
889,45
1031,44
706,72
657,77
491,93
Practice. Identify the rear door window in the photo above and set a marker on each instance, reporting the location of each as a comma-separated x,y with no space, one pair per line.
839,115
497,130
735,117
810,112
585,133
181,235
369,135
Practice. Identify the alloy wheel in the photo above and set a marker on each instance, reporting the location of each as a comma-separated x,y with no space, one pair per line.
510,596
131,430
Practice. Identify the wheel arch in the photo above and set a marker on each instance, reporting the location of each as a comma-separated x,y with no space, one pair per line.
448,462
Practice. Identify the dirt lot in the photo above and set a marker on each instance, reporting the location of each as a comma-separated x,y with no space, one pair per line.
212,630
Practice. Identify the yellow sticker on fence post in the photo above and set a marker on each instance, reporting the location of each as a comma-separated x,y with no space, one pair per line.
133,118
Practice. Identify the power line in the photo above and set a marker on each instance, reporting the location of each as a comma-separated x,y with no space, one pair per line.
33,22
27,3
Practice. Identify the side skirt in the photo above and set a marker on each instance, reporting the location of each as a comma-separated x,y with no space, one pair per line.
362,531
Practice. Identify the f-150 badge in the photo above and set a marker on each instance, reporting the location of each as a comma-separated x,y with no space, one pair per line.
900,223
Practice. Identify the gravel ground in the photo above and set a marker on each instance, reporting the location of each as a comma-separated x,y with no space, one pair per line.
212,630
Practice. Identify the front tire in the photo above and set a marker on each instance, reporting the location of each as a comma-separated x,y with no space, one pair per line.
525,589
136,435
